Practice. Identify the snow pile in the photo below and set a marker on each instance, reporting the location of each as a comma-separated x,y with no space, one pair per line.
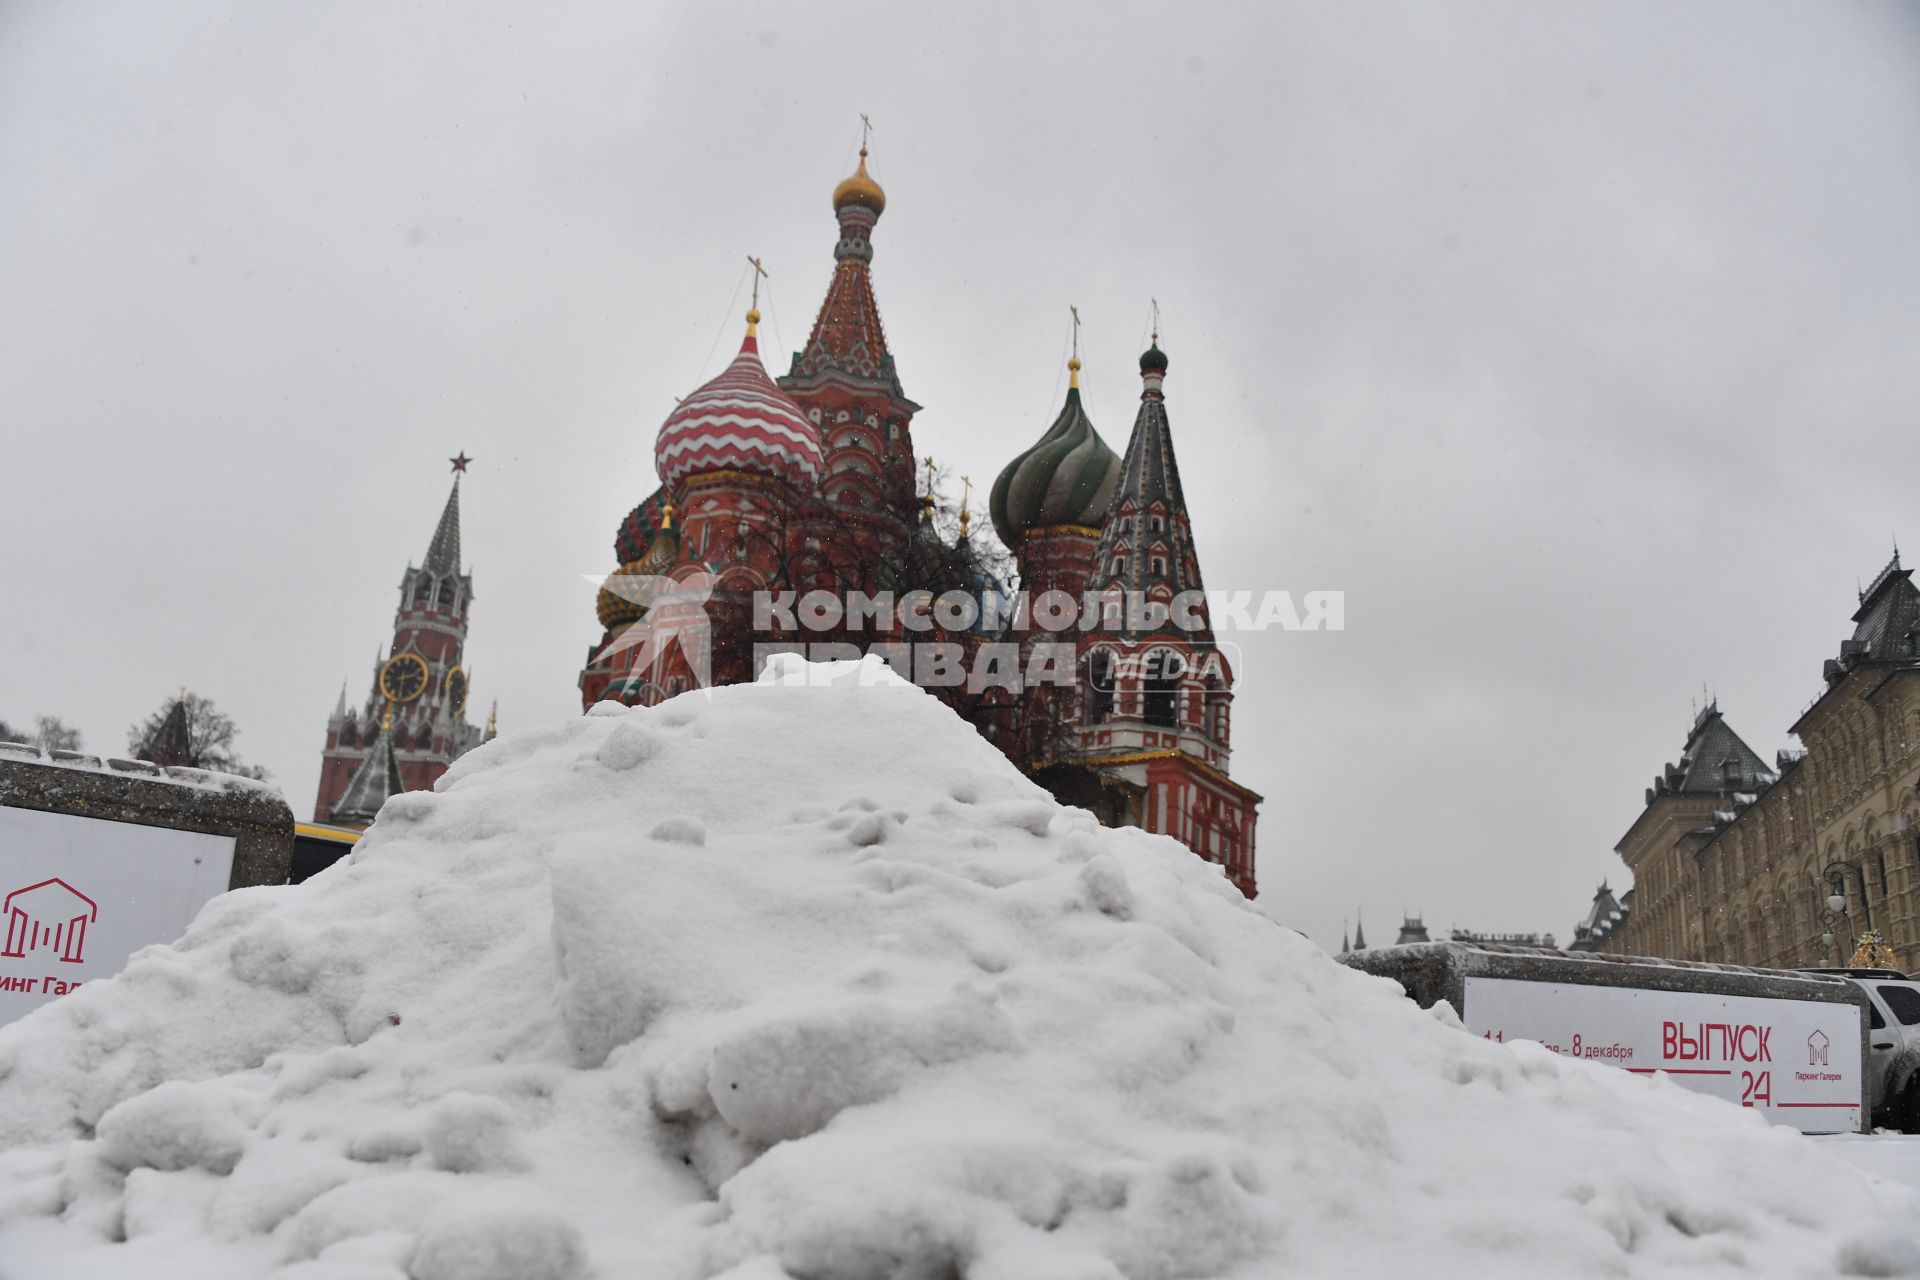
810,983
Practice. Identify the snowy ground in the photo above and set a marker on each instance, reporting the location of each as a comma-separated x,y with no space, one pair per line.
1892,1156
809,984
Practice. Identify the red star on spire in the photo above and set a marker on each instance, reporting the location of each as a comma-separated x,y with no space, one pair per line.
460,462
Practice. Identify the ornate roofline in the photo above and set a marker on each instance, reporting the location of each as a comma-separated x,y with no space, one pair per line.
1166,753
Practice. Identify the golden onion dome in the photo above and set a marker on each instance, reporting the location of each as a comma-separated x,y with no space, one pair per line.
860,190
621,601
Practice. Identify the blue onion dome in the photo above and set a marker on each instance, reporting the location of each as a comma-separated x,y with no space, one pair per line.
1065,479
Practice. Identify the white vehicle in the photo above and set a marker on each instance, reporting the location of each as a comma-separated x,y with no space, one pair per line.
1893,1044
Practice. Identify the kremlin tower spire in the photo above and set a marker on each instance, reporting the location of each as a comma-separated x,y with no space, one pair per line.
414,717
443,553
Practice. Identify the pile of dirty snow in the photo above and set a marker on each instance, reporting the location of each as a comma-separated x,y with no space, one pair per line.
810,983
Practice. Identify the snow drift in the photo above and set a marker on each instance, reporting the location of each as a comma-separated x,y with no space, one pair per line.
810,983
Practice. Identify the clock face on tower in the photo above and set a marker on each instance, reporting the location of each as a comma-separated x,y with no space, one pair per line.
404,678
456,687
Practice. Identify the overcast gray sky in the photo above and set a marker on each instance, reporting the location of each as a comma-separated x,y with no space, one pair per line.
1574,343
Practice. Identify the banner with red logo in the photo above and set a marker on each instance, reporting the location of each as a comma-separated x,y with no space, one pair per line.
78,896
1797,1062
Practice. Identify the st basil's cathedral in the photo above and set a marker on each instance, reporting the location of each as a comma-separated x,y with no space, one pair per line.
809,483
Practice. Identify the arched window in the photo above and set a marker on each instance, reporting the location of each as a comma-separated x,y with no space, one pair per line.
1164,667
1100,685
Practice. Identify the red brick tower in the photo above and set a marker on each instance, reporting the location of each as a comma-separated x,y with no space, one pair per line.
1159,722
413,723
844,378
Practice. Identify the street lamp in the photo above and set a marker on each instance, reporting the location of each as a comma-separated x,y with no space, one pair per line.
1836,906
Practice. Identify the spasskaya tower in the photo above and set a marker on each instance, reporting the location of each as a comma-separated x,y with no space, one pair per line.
413,723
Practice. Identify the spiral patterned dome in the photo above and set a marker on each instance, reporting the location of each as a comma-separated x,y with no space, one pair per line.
739,421
1067,478
629,590
637,531
618,603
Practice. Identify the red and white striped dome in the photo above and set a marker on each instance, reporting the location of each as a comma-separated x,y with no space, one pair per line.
739,421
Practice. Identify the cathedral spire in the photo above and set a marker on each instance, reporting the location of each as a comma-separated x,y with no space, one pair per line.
443,553
172,742
847,338
1146,542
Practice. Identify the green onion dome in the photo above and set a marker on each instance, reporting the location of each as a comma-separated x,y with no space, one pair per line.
1153,360
1065,479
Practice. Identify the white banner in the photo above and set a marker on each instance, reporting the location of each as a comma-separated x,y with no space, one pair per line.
78,896
1797,1062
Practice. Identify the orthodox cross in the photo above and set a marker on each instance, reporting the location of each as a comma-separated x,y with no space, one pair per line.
866,127
1076,331
966,491
1156,320
759,273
